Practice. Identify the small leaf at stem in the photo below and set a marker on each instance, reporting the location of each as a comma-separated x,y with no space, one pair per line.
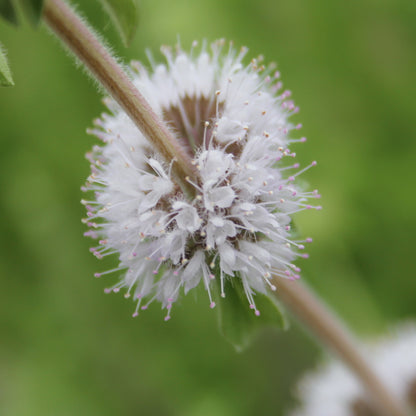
6,79
32,10
8,12
125,17
238,323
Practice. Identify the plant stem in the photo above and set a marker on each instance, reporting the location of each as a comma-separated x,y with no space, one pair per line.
323,324
76,35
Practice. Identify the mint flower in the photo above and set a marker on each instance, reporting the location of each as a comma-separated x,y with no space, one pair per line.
232,120
333,390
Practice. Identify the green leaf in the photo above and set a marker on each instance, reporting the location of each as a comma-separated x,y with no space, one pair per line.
238,323
8,11
5,74
125,17
32,10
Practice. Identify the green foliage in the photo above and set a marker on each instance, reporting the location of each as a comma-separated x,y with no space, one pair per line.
33,11
31,8
125,17
238,323
6,79
8,12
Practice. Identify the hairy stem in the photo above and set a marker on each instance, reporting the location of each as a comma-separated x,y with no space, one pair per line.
76,35
329,330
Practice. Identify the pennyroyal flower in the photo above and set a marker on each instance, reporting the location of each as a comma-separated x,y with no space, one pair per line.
333,390
232,120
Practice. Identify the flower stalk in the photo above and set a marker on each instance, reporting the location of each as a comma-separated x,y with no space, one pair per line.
76,35
326,327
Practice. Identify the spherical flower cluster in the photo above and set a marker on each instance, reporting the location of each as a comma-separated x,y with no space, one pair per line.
333,390
232,121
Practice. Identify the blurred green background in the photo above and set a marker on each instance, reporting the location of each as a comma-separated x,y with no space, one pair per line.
66,348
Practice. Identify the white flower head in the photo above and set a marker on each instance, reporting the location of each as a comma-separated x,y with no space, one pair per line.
232,119
334,390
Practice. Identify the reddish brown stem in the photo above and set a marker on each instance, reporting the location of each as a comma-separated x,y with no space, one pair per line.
76,35
328,329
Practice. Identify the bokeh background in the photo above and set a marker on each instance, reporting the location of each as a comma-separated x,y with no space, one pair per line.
66,348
